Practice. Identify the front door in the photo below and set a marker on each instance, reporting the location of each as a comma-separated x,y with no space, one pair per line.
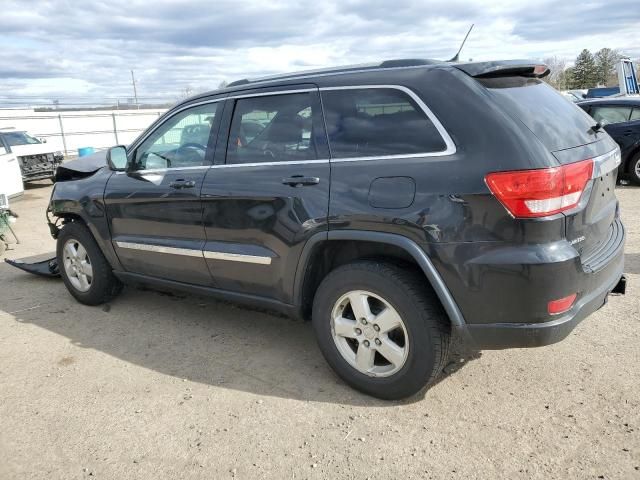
154,208
271,194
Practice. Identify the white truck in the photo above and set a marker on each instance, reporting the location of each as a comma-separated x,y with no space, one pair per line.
10,174
37,161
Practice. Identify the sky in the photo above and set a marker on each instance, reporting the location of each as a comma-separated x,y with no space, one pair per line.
84,50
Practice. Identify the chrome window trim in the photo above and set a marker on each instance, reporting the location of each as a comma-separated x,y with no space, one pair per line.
603,164
267,94
164,170
262,164
446,138
237,257
190,252
450,146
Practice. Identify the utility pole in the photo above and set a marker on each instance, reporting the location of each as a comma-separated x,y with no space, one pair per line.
135,92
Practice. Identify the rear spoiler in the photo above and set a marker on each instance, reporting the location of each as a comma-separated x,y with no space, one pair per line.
504,68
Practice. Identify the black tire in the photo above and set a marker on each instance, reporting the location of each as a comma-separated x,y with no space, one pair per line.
407,291
634,169
104,285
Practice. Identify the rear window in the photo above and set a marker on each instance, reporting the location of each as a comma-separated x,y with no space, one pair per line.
371,122
557,123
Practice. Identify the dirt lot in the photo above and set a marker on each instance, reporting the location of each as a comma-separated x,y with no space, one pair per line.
159,386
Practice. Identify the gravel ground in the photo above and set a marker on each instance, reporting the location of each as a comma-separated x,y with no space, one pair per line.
161,386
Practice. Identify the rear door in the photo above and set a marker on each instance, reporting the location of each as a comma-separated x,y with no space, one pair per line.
154,209
269,193
618,121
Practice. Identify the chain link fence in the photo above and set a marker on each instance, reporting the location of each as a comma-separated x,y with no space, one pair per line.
69,131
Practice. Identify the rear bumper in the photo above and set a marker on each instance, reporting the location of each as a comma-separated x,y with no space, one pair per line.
524,335
511,297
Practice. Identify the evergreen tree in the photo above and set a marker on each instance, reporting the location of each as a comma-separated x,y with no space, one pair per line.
584,71
606,60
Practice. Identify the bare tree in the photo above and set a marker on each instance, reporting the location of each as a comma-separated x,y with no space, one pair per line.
223,84
557,78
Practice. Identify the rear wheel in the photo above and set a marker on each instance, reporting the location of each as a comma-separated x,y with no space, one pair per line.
634,169
86,273
381,328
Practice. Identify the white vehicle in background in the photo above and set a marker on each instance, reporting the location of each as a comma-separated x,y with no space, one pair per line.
574,95
10,175
37,160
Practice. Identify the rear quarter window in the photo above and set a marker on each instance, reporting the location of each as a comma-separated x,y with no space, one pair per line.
373,122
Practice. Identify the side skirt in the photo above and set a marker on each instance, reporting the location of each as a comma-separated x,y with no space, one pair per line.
235,297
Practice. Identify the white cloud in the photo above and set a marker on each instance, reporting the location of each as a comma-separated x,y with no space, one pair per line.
60,49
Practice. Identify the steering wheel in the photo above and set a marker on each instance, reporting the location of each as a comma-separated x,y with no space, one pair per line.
192,145
267,150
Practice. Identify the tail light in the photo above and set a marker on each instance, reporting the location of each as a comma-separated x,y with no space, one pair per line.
561,305
542,192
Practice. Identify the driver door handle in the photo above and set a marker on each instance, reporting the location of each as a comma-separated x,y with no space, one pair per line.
182,184
300,181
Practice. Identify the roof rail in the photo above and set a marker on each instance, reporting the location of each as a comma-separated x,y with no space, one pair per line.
396,63
239,82
408,62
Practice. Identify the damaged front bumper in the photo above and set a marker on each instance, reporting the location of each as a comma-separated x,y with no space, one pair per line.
43,268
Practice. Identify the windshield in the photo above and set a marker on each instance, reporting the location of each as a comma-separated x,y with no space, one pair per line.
19,138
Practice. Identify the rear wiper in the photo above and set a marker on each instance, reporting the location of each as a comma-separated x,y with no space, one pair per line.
597,127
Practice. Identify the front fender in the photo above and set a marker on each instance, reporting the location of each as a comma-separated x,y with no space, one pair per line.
83,199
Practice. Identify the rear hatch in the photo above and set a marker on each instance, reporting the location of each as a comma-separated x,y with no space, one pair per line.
566,131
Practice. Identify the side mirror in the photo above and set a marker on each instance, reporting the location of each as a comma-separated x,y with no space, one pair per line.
117,158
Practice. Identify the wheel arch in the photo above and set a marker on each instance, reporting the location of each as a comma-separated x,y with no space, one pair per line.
635,151
79,215
400,246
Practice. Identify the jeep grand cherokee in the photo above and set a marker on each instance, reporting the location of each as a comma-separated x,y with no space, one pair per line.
392,204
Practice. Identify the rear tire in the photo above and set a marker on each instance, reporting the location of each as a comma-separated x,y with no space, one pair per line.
84,269
391,365
634,169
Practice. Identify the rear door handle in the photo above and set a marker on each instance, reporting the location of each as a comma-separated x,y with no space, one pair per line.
182,184
300,181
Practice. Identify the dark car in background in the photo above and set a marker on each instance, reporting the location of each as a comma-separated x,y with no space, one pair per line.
392,204
620,117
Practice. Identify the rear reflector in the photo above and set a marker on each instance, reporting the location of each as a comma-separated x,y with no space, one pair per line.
561,305
542,192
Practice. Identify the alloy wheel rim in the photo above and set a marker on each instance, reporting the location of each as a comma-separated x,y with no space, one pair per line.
77,265
369,333
637,168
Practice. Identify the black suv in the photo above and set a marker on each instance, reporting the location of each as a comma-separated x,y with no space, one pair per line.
393,204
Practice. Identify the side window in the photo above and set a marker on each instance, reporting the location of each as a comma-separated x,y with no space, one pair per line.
635,114
376,122
275,128
181,141
609,115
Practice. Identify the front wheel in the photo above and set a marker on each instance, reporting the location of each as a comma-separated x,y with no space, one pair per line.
84,269
381,328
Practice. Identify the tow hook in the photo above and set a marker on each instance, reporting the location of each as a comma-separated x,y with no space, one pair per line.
620,287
